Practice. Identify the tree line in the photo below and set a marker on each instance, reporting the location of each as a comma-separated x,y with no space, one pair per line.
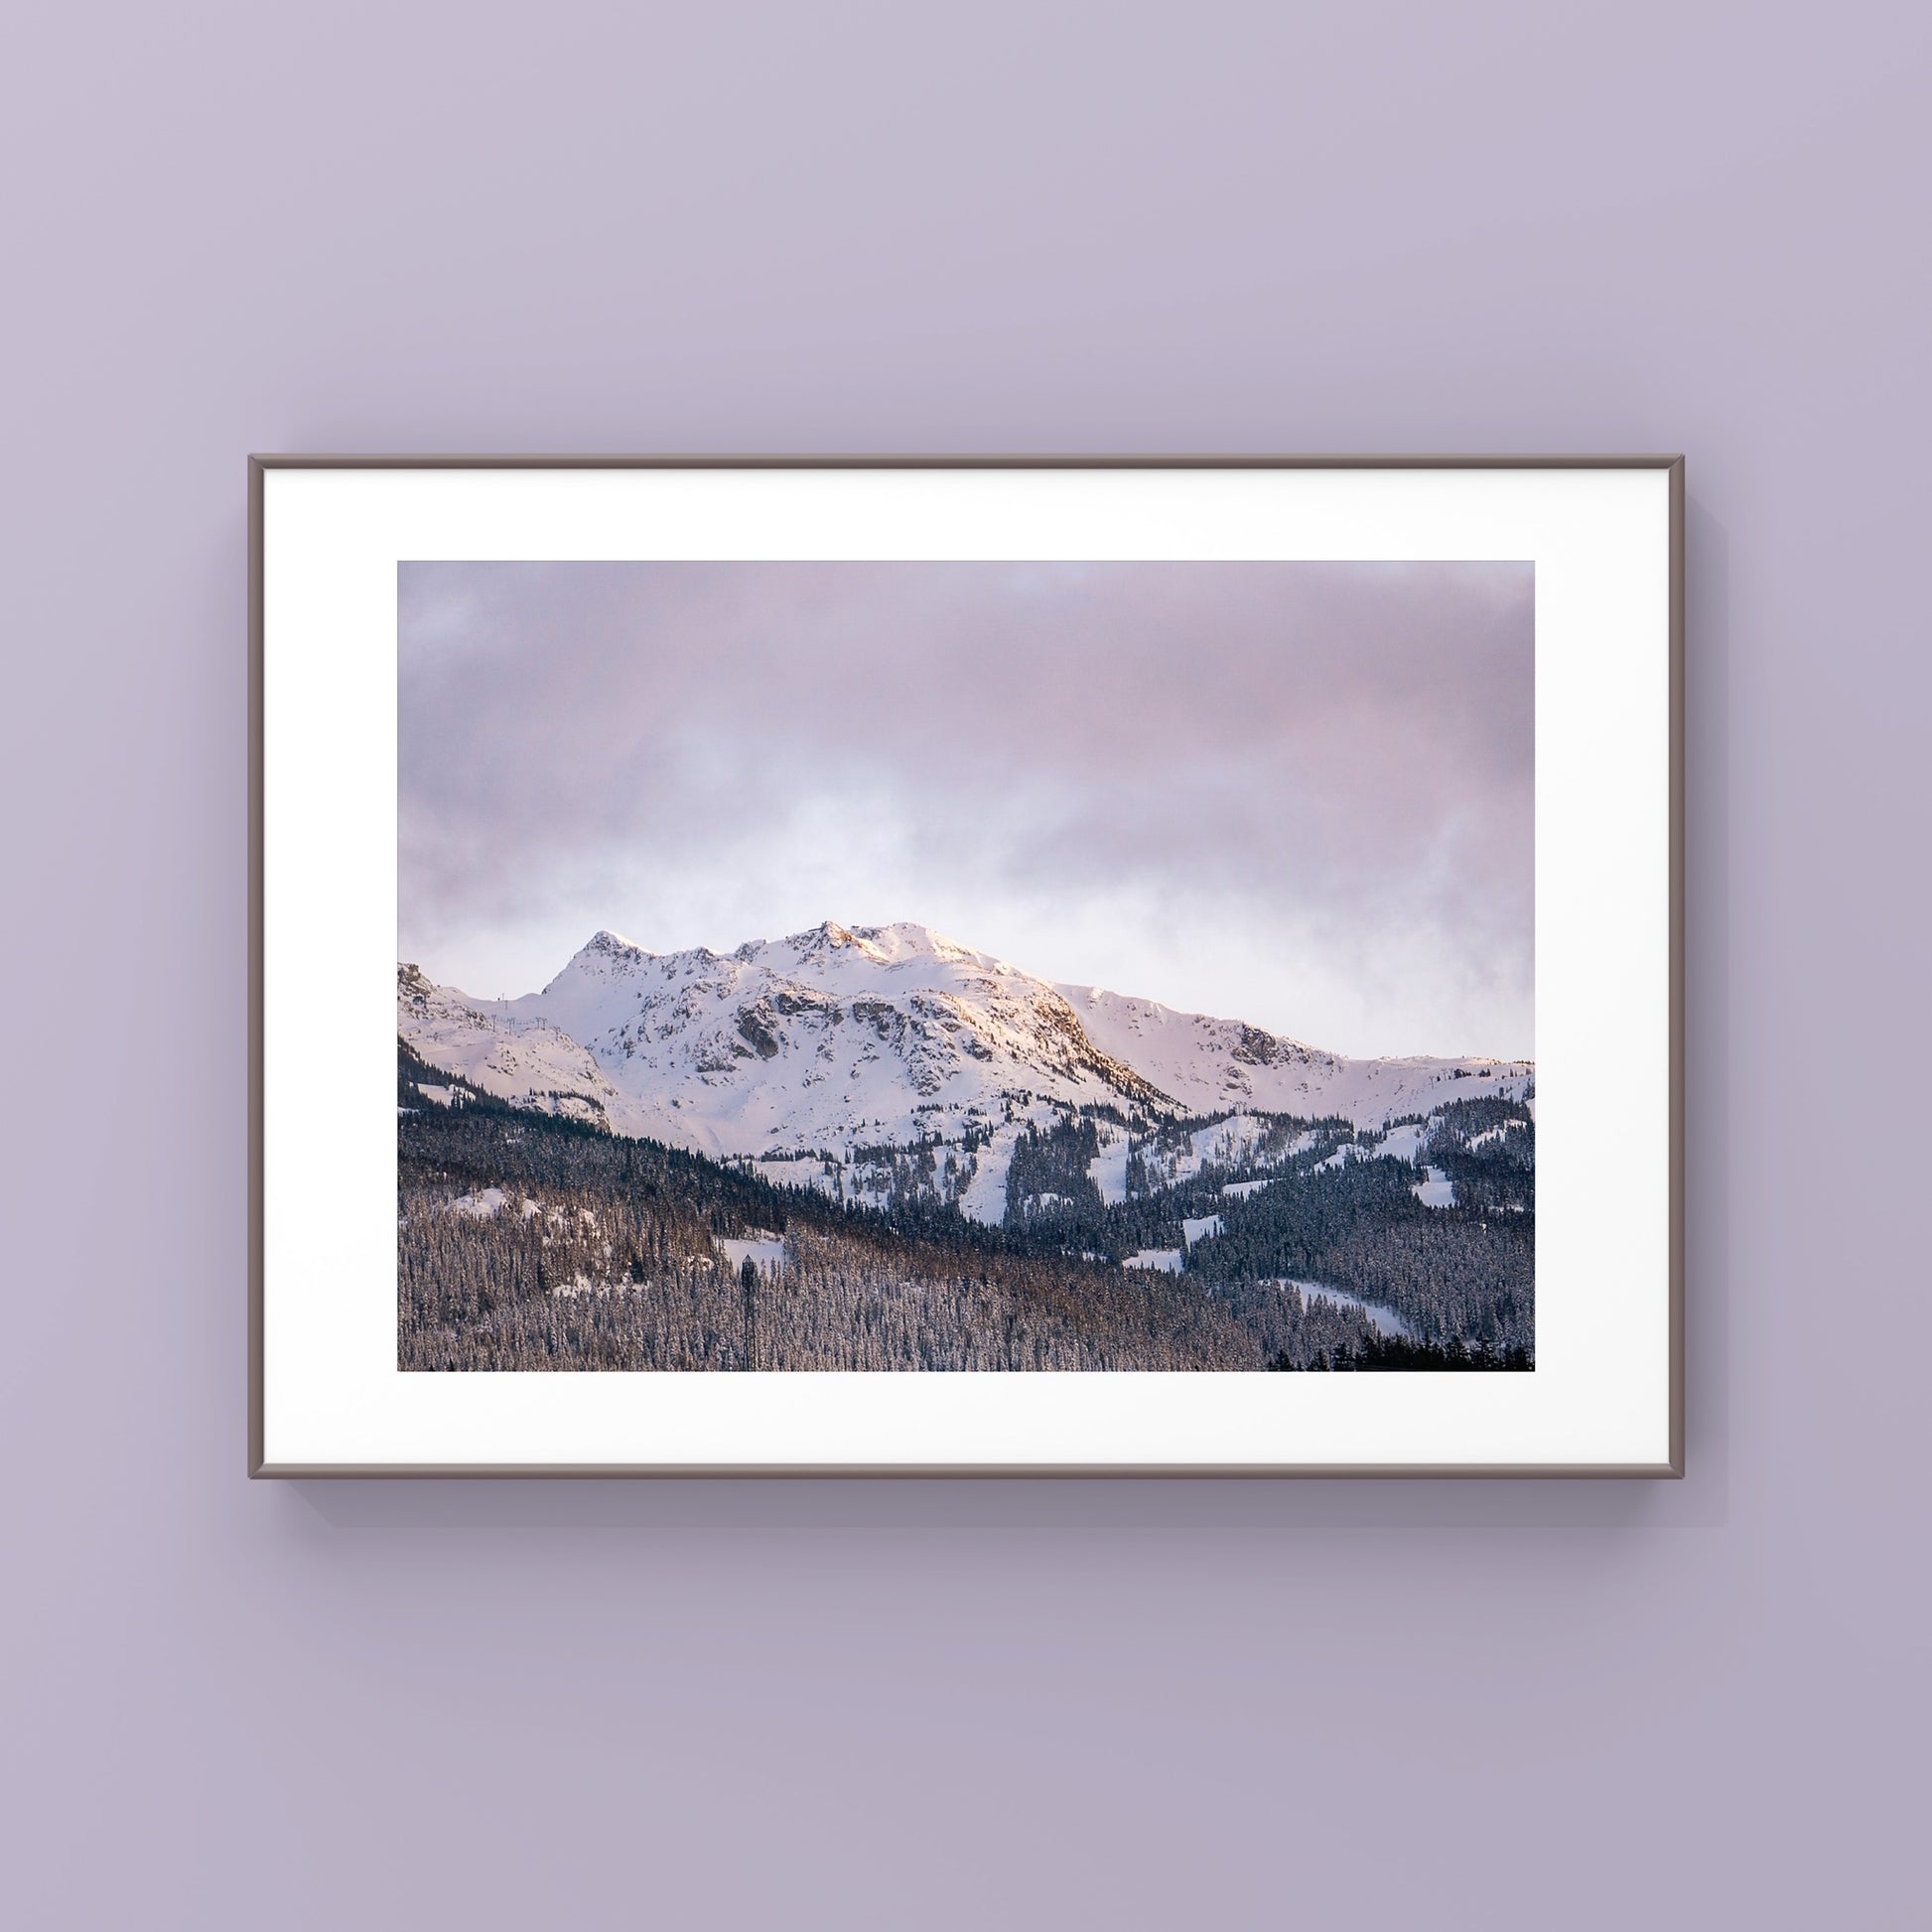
599,1252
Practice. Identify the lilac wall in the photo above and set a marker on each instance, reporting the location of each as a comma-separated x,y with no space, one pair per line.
1390,226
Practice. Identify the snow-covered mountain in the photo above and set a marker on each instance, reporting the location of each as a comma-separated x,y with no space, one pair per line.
1216,1066
527,1061
845,1038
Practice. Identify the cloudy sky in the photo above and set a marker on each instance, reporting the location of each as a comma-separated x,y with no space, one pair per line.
1298,794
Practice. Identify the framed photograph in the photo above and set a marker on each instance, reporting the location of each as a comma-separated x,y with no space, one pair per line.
1049,967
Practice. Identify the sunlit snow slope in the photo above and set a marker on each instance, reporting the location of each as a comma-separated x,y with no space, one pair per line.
840,1039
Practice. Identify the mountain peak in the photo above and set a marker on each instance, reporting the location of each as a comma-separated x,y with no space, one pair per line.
603,941
908,939
828,933
881,944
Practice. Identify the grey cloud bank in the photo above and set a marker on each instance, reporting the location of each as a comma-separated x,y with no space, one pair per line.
1301,794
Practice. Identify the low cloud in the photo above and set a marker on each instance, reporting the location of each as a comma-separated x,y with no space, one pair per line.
1303,793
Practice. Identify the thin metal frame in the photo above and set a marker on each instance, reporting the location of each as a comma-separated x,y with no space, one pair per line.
259,1466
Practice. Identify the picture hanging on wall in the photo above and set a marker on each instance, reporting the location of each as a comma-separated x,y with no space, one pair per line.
996,967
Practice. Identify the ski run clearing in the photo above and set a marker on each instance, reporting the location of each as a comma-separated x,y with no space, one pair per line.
766,1252
1384,1320
490,1201
985,1197
1436,1191
1108,1169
